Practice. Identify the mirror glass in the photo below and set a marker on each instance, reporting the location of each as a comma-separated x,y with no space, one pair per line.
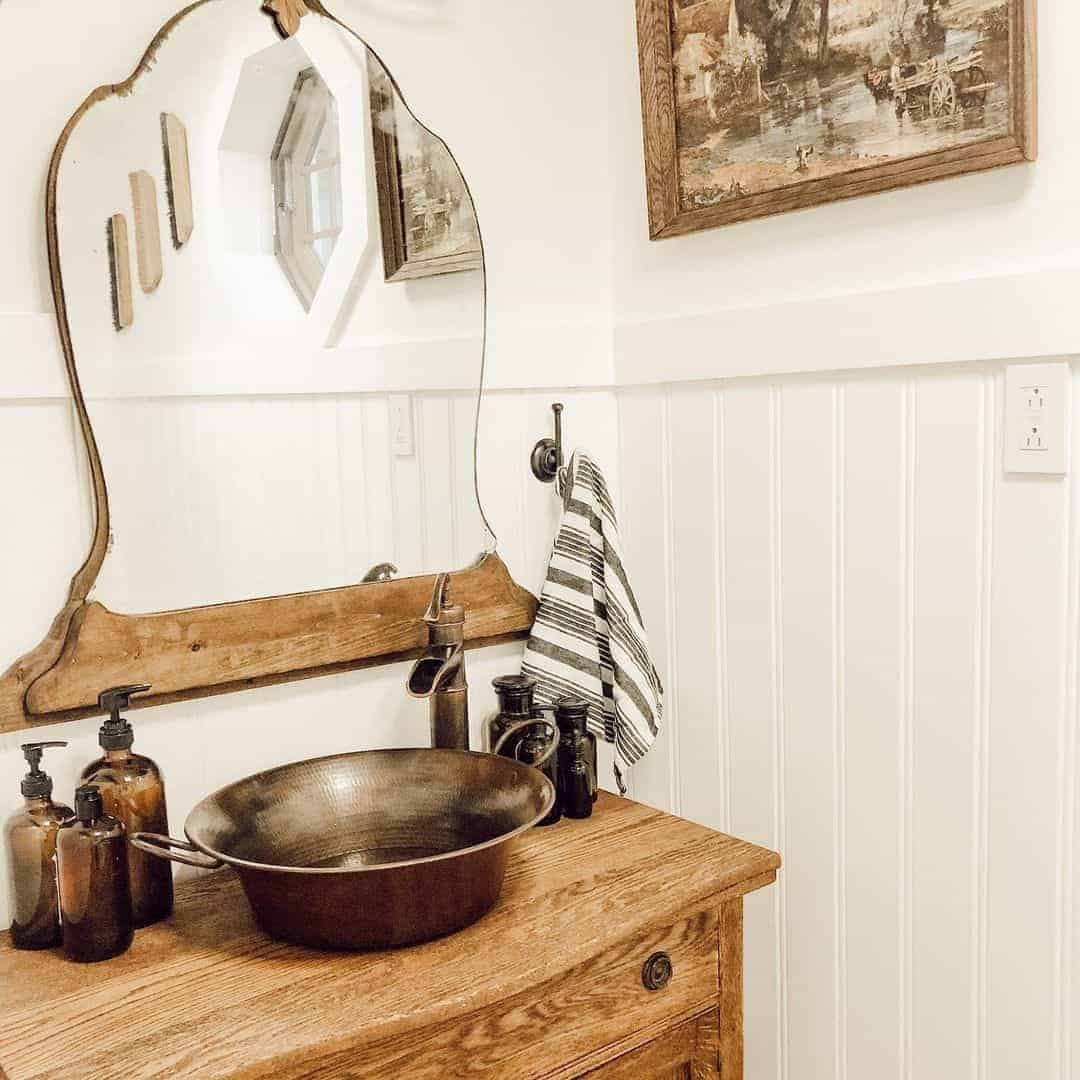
273,276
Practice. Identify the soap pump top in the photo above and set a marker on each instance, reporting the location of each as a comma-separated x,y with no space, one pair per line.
117,733
37,784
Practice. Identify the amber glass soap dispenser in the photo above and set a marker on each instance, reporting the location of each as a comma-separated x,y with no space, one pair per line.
30,843
95,901
133,791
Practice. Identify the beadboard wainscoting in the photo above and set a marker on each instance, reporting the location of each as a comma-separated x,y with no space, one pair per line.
281,494
869,638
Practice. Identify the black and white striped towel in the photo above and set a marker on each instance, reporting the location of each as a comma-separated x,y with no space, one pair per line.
589,639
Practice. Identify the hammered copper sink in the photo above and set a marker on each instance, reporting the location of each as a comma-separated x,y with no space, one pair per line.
366,850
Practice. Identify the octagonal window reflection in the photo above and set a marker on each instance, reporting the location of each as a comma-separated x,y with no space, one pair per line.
306,166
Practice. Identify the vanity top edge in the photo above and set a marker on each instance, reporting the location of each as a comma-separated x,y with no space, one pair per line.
208,984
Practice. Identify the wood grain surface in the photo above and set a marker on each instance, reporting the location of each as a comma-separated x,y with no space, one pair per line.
287,14
120,272
174,144
731,987
536,988
147,230
686,1052
198,652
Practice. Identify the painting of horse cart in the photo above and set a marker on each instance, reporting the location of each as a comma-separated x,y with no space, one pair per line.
772,105
938,87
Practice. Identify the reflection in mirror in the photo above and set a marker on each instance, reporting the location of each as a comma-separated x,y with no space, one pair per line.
428,225
303,415
306,168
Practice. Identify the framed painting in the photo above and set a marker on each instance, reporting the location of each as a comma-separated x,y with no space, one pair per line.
755,107
425,211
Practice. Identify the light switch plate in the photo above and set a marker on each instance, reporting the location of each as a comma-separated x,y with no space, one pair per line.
1037,418
401,424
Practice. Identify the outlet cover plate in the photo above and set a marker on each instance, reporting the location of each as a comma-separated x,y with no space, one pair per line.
1037,418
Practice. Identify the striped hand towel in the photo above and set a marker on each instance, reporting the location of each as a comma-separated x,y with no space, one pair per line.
589,639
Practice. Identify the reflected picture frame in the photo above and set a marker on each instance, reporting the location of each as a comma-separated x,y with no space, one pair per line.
426,214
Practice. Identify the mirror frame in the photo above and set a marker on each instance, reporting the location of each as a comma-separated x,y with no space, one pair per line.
204,651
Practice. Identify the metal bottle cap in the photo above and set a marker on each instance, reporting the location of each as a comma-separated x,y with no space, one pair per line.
571,713
88,804
515,693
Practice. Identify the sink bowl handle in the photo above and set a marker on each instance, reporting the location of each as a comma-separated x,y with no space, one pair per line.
180,851
524,725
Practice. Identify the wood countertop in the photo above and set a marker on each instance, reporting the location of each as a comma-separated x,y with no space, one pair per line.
207,994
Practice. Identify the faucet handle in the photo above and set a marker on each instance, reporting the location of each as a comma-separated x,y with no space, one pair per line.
439,595
442,610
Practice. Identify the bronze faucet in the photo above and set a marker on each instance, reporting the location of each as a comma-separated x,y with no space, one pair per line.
439,675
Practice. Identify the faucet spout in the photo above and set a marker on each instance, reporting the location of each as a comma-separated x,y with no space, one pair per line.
439,675
432,673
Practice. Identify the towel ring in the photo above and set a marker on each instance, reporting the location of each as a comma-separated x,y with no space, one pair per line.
547,454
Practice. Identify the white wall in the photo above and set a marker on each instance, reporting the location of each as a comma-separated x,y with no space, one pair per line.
869,639
868,632
973,268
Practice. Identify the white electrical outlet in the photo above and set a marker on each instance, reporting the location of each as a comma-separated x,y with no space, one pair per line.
1037,418
401,424
1034,437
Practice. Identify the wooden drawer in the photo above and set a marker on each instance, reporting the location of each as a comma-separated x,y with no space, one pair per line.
555,1029
690,1051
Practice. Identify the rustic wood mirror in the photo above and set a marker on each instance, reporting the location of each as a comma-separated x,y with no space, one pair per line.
255,212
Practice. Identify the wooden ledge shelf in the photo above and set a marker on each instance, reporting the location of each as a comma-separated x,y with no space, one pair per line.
548,984
204,651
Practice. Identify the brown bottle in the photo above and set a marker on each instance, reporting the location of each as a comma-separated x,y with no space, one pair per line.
95,897
577,758
515,694
541,750
30,843
133,791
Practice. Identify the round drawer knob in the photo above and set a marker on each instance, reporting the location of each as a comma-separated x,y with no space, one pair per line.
657,972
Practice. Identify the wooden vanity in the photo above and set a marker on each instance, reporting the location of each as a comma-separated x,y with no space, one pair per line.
551,983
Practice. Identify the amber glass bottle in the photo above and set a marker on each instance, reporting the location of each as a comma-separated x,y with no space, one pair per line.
30,843
95,898
515,694
577,758
133,791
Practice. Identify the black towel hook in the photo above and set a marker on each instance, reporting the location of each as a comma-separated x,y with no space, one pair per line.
547,455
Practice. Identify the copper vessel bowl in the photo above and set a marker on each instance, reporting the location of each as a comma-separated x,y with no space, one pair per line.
366,850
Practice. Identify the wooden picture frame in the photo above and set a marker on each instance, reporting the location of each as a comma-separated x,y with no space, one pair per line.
673,210
205,651
406,255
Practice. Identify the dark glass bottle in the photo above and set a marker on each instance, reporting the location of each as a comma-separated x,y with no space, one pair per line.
95,897
577,758
516,695
133,791
533,749
532,741
30,843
